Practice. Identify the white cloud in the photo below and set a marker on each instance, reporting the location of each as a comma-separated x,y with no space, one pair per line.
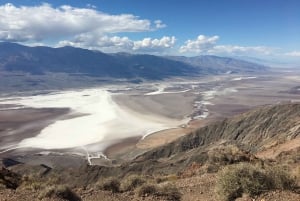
103,43
293,54
42,22
202,44
118,44
35,44
148,44
159,24
208,45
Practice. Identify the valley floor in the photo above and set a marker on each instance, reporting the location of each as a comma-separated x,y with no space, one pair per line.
184,104
190,173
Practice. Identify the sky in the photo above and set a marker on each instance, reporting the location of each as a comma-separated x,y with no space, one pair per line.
266,29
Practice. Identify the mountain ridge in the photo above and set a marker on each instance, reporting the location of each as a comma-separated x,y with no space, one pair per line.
221,64
40,60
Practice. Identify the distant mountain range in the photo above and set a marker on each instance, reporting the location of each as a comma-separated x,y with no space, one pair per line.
40,60
221,64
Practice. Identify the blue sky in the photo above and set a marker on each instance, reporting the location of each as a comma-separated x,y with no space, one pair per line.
258,28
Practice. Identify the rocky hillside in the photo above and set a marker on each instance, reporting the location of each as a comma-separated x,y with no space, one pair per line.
252,131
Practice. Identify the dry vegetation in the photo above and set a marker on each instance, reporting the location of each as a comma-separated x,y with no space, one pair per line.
244,178
237,174
141,186
60,191
132,182
232,177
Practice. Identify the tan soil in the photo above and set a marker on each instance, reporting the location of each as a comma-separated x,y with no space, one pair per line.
275,150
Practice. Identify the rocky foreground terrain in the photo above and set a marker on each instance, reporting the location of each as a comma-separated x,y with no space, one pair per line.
252,156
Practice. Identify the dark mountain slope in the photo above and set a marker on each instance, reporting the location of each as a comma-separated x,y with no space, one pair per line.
149,66
39,60
71,60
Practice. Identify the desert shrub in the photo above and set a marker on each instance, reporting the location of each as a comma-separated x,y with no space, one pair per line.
147,189
237,179
280,178
34,183
171,177
53,180
110,184
209,168
31,186
132,182
29,182
227,155
60,191
169,192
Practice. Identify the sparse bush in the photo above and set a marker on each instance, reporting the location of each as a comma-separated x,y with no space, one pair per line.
34,183
235,180
169,192
53,180
171,177
110,184
280,178
227,155
132,182
208,168
59,191
147,189
29,182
